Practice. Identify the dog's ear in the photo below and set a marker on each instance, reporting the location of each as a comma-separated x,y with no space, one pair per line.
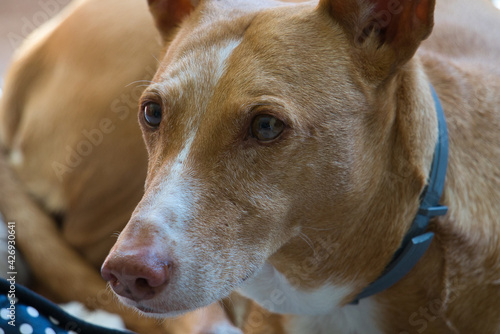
169,13
386,32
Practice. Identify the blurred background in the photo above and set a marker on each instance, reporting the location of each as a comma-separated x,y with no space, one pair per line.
19,17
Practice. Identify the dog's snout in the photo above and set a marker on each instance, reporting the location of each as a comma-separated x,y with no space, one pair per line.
137,275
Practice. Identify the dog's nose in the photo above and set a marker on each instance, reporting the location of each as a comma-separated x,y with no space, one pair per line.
137,275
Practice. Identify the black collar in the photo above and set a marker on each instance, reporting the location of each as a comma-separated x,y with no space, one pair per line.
418,239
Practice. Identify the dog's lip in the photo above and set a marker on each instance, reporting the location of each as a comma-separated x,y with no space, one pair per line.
247,277
160,313
244,280
139,306
146,309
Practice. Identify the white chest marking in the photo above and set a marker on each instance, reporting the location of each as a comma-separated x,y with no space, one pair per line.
350,319
317,311
272,290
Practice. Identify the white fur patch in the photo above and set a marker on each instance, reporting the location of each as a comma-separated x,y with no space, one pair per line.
350,319
315,312
200,70
271,289
16,157
174,199
223,54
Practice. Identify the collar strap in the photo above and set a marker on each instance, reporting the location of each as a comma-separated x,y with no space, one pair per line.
417,240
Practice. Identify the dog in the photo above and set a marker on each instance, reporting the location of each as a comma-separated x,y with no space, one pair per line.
291,147
73,162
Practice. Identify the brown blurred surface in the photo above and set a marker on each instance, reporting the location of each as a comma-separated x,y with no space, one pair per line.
17,19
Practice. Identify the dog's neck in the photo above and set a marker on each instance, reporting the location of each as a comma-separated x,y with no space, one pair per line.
418,239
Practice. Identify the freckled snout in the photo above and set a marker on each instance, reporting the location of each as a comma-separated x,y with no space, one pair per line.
136,273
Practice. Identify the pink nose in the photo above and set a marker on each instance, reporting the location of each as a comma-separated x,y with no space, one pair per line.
136,274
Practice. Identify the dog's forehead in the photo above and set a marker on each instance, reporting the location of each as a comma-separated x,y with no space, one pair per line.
214,22
198,57
194,73
195,60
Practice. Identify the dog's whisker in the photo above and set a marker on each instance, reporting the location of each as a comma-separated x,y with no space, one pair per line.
145,83
162,66
307,240
159,62
220,305
318,229
230,300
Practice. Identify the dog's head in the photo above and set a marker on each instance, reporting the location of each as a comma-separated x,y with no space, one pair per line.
283,136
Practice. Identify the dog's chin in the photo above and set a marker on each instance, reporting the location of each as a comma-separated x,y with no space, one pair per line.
152,313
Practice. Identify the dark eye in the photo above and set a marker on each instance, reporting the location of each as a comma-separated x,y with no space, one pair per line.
266,127
152,114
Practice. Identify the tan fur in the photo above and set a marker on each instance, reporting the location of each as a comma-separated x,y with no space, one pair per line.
347,173
461,60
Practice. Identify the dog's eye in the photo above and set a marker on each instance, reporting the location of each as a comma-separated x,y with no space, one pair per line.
152,114
266,127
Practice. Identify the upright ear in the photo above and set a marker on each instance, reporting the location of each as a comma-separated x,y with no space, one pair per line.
386,31
169,13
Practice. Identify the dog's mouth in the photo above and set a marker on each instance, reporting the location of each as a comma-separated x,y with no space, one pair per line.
174,302
146,309
158,313
247,276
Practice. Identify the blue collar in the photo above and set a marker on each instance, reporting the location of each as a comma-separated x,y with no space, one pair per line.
417,240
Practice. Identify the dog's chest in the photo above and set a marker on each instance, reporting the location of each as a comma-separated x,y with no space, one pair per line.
312,312
359,319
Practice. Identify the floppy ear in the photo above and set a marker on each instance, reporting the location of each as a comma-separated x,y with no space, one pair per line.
169,13
386,31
